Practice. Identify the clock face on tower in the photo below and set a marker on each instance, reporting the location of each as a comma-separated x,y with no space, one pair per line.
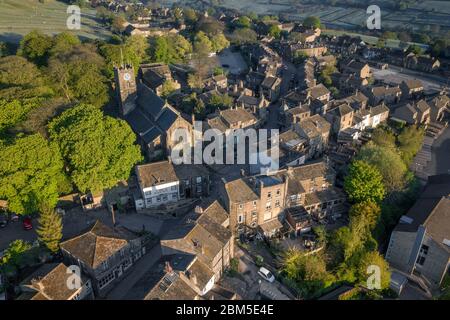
126,77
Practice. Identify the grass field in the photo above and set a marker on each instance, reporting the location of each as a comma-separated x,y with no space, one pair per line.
18,17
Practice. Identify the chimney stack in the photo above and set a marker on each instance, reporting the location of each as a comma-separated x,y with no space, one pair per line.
168,267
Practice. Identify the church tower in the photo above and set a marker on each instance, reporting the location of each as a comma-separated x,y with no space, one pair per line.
125,88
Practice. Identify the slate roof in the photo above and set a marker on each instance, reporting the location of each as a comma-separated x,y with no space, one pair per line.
156,173
318,91
432,210
48,282
98,244
239,191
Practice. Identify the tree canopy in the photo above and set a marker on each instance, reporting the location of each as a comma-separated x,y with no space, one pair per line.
78,75
35,46
312,22
50,228
364,182
388,162
99,150
21,79
31,174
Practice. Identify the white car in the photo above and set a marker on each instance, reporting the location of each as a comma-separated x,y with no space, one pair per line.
266,274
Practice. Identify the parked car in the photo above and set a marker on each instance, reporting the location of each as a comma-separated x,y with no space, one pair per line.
14,217
3,220
27,225
266,274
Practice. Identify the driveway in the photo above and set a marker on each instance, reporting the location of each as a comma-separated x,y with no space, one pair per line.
249,285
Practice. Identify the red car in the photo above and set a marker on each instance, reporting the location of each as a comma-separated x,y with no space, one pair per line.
27,225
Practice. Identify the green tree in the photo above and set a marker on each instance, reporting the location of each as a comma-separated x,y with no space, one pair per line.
308,271
35,46
50,228
383,138
99,150
64,42
312,22
243,22
244,35
219,42
220,101
31,174
389,164
21,79
274,31
78,75
373,258
14,257
364,182
168,88
12,112
409,142
190,16
202,45
369,211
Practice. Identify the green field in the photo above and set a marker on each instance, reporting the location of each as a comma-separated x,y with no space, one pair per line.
18,17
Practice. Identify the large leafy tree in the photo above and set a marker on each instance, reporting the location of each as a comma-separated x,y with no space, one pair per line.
312,22
35,46
50,228
12,112
243,36
308,271
409,142
31,174
20,79
14,257
202,45
368,211
364,182
78,75
133,51
99,150
388,162
64,42
219,42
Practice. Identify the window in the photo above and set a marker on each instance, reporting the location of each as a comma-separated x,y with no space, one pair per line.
158,199
420,260
104,265
269,194
165,198
424,250
254,204
254,214
277,203
199,179
103,282
268,205
278,192
240,218
241,206
174,196
174,188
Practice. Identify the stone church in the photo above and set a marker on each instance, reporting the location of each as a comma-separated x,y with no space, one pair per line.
151,118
